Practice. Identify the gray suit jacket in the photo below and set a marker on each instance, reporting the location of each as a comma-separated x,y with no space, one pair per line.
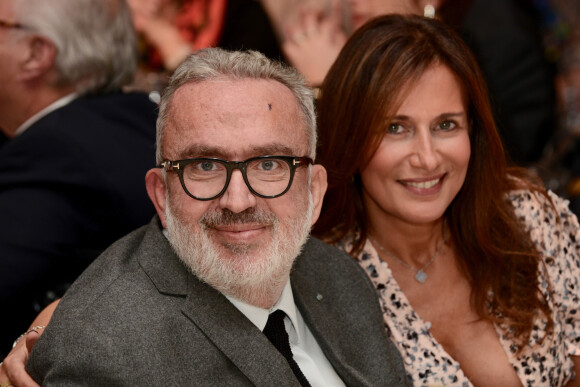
137,316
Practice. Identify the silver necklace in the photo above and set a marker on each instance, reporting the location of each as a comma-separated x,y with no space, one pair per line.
420,274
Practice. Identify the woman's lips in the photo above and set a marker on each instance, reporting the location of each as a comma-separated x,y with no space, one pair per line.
424,186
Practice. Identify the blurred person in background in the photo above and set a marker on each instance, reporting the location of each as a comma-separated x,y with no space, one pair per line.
77,148
561,20
170,30
504,36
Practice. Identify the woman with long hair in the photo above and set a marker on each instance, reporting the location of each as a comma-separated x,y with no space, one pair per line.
476,266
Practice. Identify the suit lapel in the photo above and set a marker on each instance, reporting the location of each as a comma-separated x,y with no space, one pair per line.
238,339
222,323
321,307
328,329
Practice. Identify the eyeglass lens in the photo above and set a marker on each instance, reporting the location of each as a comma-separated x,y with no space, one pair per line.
206,178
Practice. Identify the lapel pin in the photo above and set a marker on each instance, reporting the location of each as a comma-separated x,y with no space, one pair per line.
319,297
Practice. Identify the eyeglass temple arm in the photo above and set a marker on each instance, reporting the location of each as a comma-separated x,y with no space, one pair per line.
168,165
302,161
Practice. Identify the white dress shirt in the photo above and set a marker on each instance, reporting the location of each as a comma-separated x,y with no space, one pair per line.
307,353
49,109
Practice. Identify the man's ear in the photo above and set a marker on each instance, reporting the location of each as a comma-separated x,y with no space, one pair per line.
39,58
318,187
157,192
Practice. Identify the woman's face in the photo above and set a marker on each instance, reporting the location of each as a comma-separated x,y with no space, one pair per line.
422,160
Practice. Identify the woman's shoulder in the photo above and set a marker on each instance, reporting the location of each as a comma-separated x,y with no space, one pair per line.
553,228
538,208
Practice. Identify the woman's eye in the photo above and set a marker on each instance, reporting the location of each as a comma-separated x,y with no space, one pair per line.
447,125
395,128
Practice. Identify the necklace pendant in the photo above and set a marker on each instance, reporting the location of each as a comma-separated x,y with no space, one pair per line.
421,276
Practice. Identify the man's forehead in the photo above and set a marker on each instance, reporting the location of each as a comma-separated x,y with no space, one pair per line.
240,118
235,148
230,89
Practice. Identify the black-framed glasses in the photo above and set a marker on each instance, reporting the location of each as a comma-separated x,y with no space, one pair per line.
207,178
7,24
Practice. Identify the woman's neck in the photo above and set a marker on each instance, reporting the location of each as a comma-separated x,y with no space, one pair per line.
414,244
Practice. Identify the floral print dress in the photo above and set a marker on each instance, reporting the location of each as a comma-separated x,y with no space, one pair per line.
557,237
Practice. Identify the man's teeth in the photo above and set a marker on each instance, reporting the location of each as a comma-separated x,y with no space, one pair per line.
424,184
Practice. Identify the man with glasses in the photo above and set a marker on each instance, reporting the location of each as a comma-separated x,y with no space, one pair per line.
67,127
224,286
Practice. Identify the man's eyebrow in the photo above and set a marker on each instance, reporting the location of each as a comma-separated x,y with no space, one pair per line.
200,150
272,149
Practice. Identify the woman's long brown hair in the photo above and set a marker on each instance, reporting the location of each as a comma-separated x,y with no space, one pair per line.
364,87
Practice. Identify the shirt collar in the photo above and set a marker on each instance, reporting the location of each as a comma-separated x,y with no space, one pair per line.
49,109
259,316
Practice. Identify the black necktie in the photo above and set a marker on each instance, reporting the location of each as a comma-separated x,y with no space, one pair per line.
276,333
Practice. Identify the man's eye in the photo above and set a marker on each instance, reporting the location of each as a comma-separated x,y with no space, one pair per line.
206,166
268,165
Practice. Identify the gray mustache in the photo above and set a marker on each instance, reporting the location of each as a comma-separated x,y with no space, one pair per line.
227,217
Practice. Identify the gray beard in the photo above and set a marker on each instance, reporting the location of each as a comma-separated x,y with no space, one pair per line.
247,272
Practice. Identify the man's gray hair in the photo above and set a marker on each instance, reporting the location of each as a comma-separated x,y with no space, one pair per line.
215,63
95,39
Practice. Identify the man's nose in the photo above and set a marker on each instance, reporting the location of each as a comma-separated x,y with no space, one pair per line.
237,197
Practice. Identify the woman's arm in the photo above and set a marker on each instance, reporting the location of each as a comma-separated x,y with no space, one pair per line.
12,369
